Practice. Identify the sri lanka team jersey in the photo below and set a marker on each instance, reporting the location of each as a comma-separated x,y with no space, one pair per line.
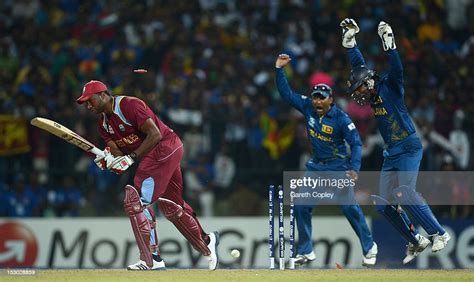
328,133
388,106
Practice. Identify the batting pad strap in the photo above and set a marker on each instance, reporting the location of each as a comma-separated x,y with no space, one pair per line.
185,223
140,223
416,206
394,216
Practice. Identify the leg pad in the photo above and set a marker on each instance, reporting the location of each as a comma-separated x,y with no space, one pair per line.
140,224
416,206
394,215
185,223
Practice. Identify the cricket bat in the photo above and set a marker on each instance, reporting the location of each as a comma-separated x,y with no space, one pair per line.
65,133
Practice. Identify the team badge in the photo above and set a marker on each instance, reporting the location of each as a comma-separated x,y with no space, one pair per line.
327,129
121,127
378,100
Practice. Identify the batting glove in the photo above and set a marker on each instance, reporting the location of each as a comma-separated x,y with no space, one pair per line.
349,30
386,34
120,164
102,160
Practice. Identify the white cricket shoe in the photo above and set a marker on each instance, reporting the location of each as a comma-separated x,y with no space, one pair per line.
214,256
440,241
302,259
371,257
141,265
413,251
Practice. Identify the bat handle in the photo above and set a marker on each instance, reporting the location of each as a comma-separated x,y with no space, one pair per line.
97,151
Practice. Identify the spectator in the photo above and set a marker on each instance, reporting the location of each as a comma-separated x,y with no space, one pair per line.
20,200
198,182
224,167
460,141
68,198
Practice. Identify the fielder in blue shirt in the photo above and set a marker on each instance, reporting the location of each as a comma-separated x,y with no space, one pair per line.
328,129
403,152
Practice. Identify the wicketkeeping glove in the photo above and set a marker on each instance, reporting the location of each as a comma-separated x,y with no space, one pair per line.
349,30
102,160
120,164
386,34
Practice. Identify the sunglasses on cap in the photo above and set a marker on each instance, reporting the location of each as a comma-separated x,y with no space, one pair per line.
321,90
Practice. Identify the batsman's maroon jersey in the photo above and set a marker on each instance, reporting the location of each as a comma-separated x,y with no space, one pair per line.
122,127
157,167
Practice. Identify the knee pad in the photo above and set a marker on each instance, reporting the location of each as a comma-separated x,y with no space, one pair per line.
408,196
170,209
132,203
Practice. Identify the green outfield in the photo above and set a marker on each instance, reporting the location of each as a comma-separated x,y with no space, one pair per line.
246,275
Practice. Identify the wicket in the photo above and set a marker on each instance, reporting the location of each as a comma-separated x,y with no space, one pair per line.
281,229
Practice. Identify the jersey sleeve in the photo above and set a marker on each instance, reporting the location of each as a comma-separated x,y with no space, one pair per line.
296,100
136,111
355,57
352,137
395,74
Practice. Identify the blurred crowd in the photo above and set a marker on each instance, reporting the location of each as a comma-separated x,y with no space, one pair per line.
211,78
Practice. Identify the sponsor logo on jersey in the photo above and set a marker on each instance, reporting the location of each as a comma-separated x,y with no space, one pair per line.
130,139
121,127
324,138
379,111
327,129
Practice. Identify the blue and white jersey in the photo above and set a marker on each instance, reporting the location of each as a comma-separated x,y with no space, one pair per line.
326,133
388,106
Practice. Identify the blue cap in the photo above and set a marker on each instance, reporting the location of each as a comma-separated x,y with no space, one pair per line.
321,89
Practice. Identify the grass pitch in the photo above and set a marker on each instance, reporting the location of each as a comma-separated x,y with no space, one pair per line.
244,275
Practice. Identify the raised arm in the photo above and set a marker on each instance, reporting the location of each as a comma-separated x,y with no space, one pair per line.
395,74
294,99
352,137
355,57
349,30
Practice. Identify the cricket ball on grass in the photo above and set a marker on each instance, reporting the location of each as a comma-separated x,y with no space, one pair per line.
235,253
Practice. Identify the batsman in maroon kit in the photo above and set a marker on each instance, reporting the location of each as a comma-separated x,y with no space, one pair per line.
134,134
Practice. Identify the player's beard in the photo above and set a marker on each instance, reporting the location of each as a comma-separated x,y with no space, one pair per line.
99,108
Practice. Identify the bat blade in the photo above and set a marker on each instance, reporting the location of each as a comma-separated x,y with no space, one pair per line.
66,134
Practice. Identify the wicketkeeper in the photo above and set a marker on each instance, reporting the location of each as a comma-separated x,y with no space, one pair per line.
403,152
